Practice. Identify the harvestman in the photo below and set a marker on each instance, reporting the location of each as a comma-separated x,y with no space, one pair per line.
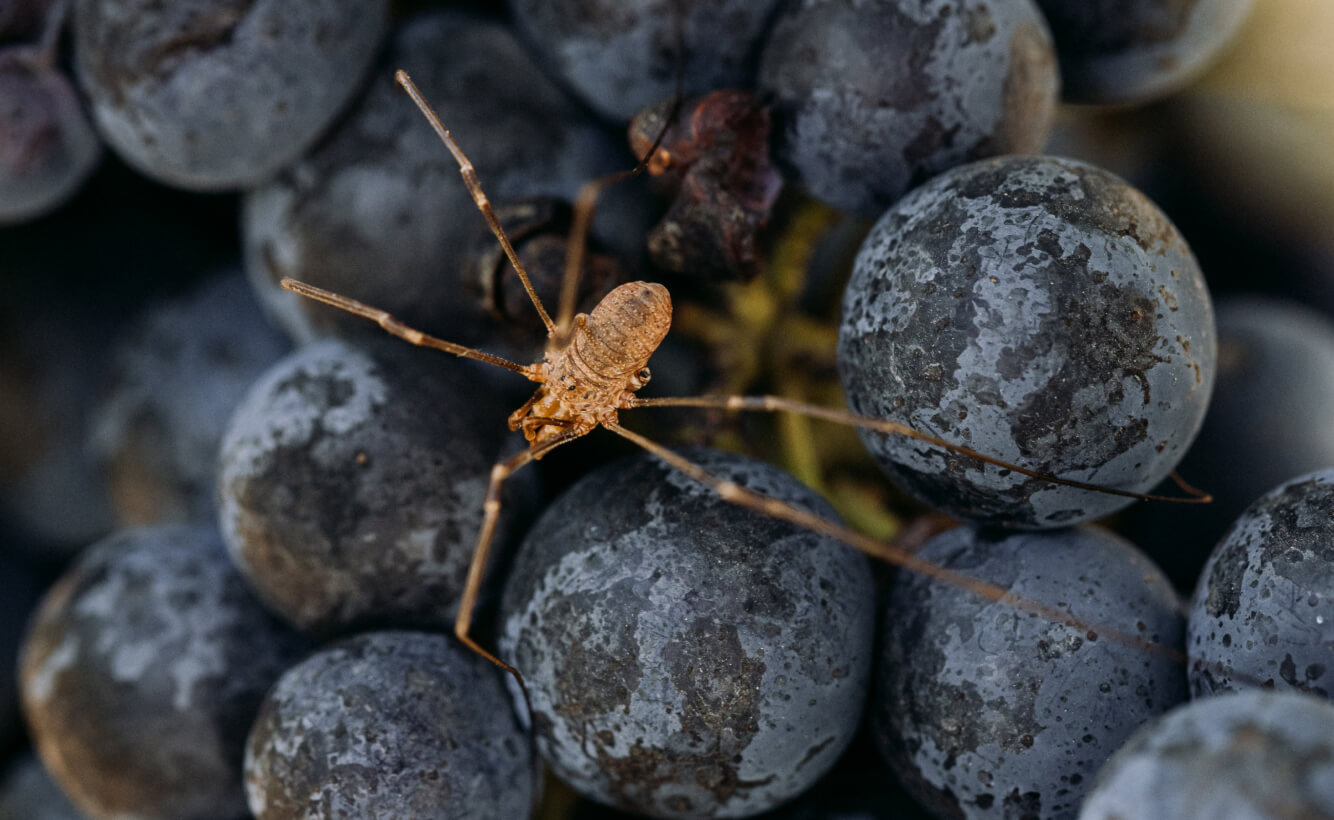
593,365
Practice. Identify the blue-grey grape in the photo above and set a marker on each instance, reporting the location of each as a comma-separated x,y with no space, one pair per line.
687,658
220,94
1248,755
871,97
389,725
1263,612
987,711
1037,310
1133,51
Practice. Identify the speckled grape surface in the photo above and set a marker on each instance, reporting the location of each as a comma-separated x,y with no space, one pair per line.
1132,51
871,97
986,711
1263,612
352,482
390,725
623,55
379,211
1037,310
177,374
142,672
687,658
1246,756
216,94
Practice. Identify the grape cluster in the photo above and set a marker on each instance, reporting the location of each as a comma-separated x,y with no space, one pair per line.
281,537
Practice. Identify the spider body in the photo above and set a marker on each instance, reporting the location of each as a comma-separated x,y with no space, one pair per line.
597,369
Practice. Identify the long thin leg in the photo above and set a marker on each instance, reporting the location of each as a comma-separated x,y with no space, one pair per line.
582,221
401,330
775,404
490,514
891,553
475,189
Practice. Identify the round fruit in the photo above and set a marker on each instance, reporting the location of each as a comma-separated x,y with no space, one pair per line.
1248,755
871,97
1037,310
686,657
385,725
1263,613
986,711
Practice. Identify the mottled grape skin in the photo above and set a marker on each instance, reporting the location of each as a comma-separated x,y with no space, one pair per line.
352,482
1263,613
47,145
1040,311
870,97
1134,51
687,658
142,672
1246,756
986,711
1268,421
176,376
623,55
220,94
390,725
379,212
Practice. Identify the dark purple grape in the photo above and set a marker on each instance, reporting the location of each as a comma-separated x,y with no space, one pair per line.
176,376
27,792
1263,613
47,146
1247,755
142,672
987,711
1037,310
870,97
621,56
1134,51
221,94
390,725
352,484
1267,422
687,658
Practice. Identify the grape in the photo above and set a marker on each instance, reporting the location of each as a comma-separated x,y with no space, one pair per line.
352,484
389,725
379,212
28,793
1248,755
872,97
1267,422
1263,613
220,94
1040,311
622,56
687,658
1133,51
985,711
177,375
142,671
47,146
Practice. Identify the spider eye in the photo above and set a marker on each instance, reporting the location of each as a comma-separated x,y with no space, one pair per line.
644,375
